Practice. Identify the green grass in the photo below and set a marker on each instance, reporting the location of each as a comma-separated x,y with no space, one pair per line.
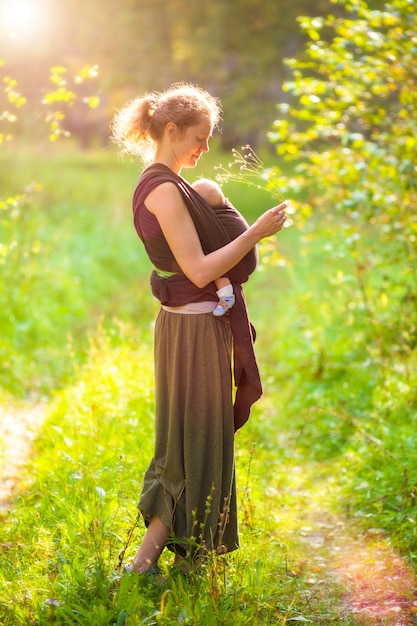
333,434
63,538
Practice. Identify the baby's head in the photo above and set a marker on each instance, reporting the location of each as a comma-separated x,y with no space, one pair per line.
210,191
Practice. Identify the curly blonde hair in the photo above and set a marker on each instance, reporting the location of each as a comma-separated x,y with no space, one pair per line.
138,127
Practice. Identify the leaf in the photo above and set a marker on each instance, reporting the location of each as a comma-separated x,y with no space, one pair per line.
58,69
92,102
121,620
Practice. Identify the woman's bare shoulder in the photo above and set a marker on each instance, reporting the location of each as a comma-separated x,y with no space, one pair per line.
166,195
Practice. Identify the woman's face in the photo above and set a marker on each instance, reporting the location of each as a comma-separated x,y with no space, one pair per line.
190,145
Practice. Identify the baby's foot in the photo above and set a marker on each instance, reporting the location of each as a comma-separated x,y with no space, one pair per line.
225,303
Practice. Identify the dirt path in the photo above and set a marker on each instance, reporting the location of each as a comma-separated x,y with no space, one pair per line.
19,426
378,587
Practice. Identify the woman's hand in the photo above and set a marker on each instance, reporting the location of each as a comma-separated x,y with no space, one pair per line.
271,222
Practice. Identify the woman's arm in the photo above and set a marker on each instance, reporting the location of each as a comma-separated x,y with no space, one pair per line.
166,203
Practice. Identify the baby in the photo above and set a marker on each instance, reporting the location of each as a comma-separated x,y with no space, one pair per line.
211,192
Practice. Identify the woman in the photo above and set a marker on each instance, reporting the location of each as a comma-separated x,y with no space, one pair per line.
189,499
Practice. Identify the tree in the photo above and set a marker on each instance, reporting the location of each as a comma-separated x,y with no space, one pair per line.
350,125
235,49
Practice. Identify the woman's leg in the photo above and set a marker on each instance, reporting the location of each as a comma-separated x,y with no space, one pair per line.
151,547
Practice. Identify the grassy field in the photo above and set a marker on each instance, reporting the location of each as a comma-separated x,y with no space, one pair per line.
331,440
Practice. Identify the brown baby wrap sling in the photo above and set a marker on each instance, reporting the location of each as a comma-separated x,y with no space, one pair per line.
215,227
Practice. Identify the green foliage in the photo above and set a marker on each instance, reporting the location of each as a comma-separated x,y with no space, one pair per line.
350,126
27,242
20,112
61,266
349,130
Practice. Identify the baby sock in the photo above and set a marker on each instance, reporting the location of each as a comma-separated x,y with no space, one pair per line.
225,291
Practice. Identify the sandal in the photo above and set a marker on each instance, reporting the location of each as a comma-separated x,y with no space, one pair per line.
151,572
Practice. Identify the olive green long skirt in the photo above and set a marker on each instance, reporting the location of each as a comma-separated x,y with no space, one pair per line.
190,482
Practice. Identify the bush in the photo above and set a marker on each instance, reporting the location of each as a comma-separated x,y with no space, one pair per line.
349,129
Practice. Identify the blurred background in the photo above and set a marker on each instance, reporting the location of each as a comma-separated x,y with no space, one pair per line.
329,103
234,49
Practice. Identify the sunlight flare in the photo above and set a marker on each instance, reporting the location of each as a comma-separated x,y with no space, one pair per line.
23,19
